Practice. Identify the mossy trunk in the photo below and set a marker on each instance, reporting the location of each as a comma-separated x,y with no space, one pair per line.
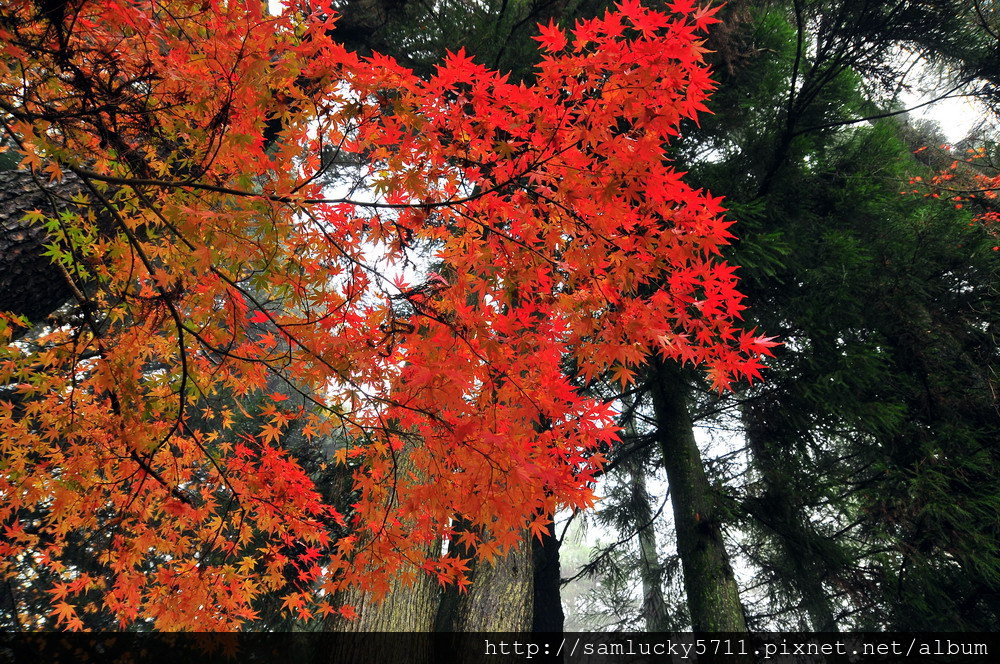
499,600
712,594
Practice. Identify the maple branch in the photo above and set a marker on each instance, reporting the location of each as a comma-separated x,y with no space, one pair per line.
175,491
277,198
510,166
252,298
339,373
135,183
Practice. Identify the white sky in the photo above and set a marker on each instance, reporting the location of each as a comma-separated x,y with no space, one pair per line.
956,116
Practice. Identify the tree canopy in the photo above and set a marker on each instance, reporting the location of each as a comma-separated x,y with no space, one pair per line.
405,268
311,306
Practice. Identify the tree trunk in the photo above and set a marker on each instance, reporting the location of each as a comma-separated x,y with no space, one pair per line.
713,597
30,285
654,607
405,608
504,582
548,614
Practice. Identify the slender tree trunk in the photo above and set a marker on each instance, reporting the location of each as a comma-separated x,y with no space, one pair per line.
713,597
654,607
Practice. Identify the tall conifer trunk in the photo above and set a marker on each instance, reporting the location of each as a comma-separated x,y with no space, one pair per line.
654,606
713,597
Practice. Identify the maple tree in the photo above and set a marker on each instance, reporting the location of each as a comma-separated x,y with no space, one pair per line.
206,261
969,179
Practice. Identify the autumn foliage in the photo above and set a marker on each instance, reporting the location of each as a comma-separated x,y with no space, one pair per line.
971,179
488,249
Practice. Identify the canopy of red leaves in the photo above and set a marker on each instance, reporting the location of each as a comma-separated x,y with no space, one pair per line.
491,247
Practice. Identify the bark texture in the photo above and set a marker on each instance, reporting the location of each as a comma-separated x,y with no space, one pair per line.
405,608
499,600
30,285
713,597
